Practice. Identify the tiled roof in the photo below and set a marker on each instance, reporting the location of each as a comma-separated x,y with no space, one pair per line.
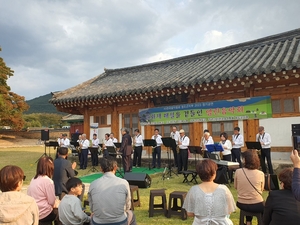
266,55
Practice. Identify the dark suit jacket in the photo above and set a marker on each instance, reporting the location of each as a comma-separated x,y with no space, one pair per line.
62,172
281,208
126,145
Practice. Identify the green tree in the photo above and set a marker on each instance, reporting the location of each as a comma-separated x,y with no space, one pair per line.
43,120
12,105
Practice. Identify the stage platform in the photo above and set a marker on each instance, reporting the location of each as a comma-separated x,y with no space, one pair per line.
91,177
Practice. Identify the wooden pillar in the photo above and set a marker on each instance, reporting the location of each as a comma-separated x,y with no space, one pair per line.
149,128
250,129
196,133
115,121
86,122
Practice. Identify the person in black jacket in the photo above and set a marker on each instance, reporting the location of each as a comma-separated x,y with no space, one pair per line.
281,207
63,170
126,150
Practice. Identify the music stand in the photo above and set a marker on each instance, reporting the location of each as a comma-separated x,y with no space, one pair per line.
111,151
149,143
117,144
169,143
94,152
253,145
195,150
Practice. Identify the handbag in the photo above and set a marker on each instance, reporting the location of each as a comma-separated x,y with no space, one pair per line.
271,182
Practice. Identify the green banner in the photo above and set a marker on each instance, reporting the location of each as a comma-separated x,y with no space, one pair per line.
236,109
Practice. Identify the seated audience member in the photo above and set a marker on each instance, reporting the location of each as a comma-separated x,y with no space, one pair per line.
16,208
63,170
226,144
109,197
296,174
208,201
249,182
41,188
69,209
281,207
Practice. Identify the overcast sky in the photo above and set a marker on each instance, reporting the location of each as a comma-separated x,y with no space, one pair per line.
56,44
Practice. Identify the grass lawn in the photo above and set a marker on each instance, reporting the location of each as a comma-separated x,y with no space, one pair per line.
25,157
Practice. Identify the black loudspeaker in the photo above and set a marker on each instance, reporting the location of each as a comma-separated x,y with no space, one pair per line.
221,176
142,180
45,135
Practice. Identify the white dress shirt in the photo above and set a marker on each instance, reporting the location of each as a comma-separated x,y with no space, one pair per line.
158,139
138,140
210,141
265,138
64,142
85,144
114,140
95,143
109,142
175,136
238,141
185,142
227,150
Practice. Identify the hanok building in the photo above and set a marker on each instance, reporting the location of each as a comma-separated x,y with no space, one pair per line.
268,67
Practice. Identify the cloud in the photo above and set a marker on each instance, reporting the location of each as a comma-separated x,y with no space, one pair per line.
53,45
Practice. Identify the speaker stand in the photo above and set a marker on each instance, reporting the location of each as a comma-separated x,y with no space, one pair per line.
168,169
44,154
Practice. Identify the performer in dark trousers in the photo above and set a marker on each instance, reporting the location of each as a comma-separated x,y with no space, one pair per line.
183,144
126,150
94,154
237,143
175,135
138,148
157,150
84,145
265,141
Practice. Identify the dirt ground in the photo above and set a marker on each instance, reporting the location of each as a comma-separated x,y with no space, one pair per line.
15,141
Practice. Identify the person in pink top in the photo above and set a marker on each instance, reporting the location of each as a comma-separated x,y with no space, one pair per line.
41,188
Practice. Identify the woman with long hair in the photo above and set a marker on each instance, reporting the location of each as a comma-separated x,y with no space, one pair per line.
41,188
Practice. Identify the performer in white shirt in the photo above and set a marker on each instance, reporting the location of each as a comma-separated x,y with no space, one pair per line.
84,145
138,148
237,143
107,142
183,155
207,140
175,135
157,150
114,140
265,141
59,139
226,144
204,141
64,142
94,153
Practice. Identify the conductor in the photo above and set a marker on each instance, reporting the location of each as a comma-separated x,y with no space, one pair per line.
126,150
